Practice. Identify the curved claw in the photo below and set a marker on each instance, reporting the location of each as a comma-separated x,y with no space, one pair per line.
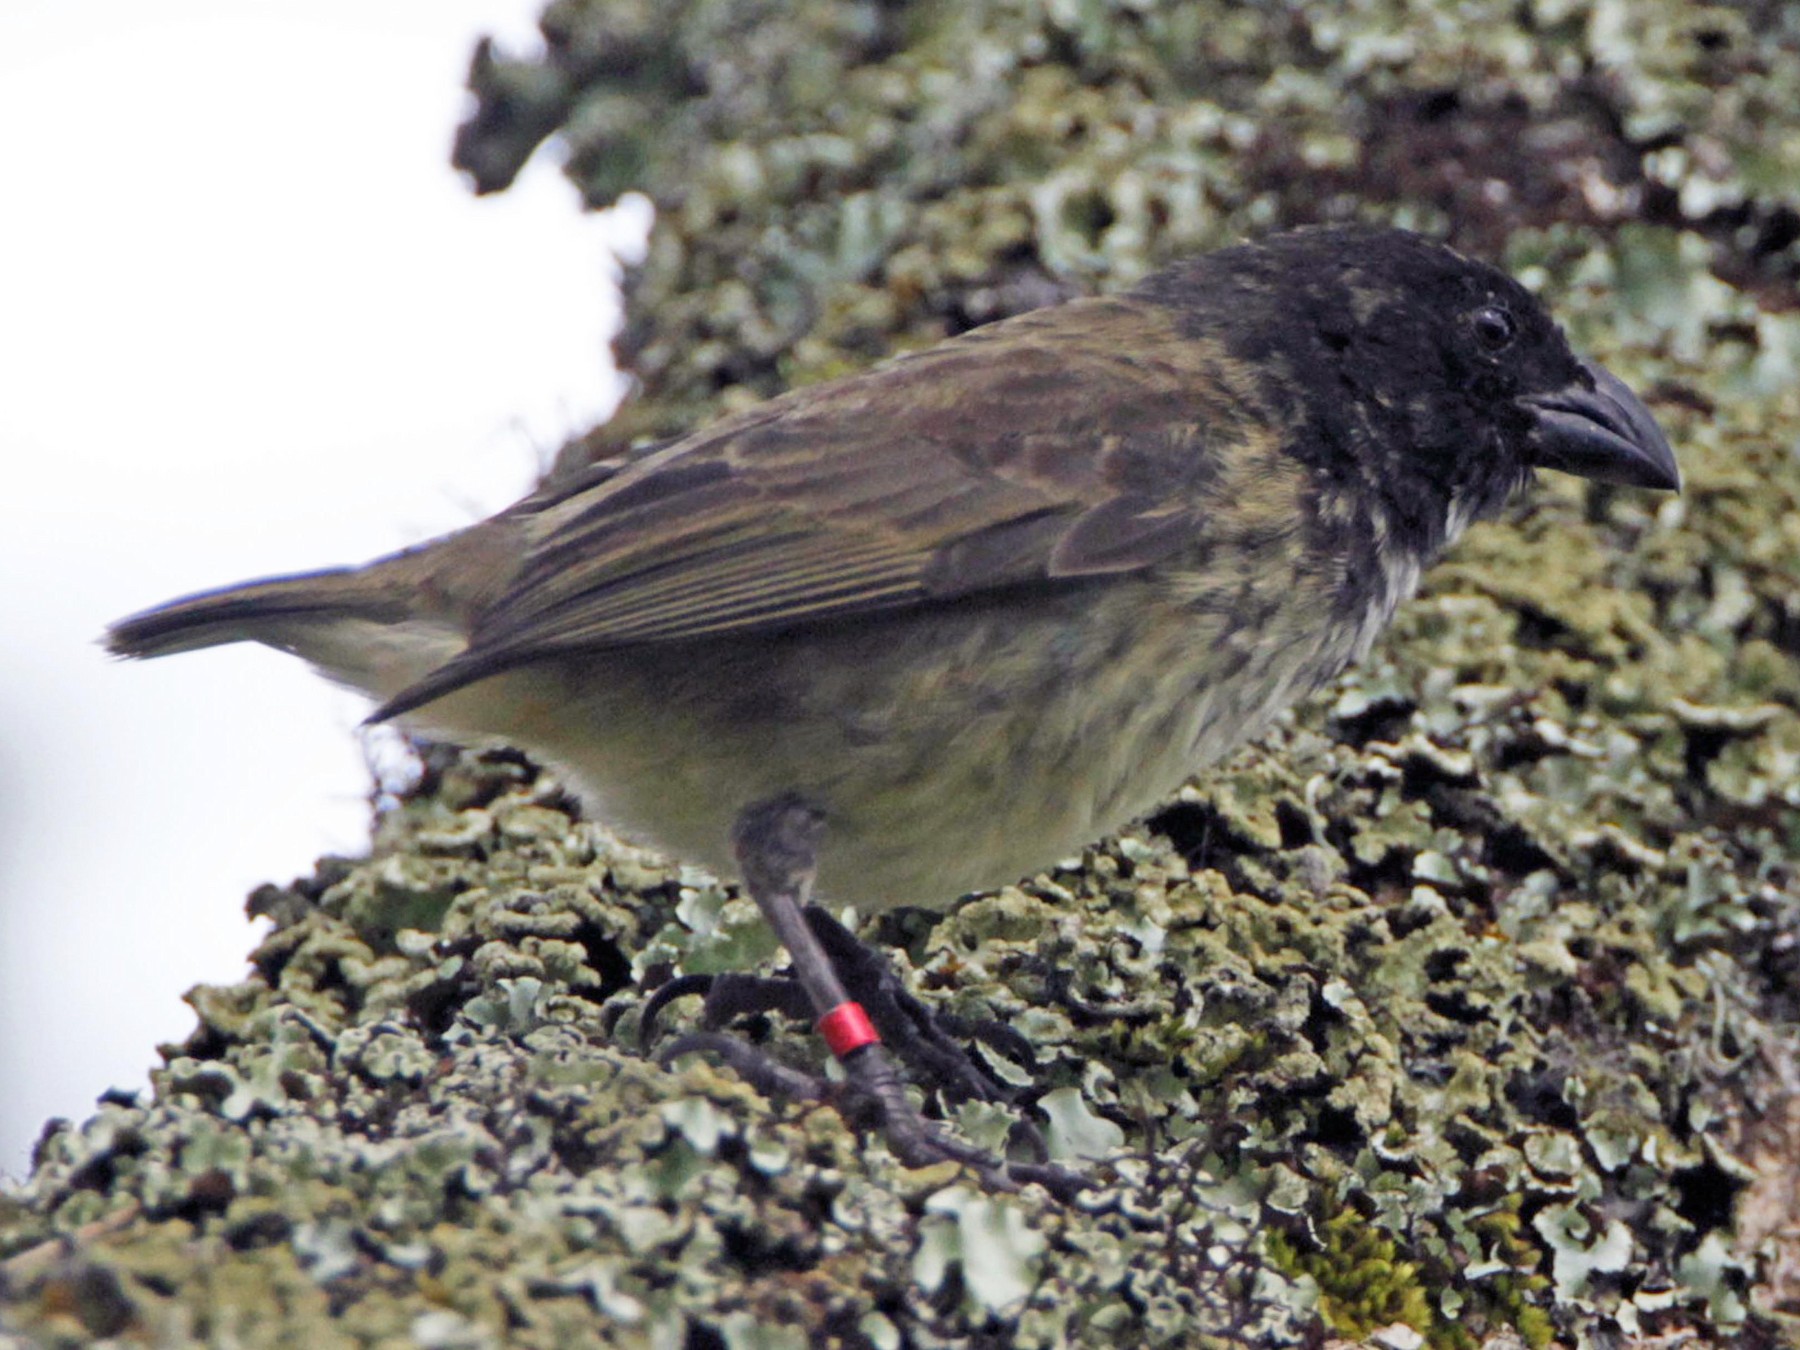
679,987
917,1142
767,1075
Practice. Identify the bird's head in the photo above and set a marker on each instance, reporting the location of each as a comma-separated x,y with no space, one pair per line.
1435,381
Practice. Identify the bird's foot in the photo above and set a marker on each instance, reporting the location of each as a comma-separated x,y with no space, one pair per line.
728,997
930,1043
877,1100
873,1099
853,998
873,1095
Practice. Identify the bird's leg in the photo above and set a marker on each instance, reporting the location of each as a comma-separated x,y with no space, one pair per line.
777,849
931,1044
928,1042
777,845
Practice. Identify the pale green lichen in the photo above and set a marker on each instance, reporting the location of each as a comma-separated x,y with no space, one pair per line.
1451,1004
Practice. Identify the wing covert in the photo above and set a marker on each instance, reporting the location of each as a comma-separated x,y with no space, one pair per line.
1064,443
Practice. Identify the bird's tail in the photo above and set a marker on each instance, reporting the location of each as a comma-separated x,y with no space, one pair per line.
255,611
373,628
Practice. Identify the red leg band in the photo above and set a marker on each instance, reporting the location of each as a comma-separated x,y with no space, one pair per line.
847,1027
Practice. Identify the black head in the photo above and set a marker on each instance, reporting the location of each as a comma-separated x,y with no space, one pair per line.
1436,382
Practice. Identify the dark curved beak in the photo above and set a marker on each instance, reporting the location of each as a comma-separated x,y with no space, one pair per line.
1604,433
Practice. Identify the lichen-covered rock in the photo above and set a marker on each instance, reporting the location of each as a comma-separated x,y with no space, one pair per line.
1464,1009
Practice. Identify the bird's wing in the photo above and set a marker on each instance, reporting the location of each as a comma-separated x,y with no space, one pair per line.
1065,443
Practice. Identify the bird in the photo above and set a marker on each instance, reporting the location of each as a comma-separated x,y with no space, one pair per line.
927,629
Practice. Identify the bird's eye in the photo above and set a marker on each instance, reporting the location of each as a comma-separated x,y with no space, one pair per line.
1494,327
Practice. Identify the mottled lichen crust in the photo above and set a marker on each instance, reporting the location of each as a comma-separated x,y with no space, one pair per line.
1464,1007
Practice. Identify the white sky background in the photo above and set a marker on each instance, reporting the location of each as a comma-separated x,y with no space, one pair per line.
250,322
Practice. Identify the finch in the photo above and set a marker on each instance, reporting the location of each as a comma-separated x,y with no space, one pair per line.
929,628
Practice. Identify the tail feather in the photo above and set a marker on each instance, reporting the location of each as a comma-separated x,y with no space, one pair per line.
256,611
367,628
377,628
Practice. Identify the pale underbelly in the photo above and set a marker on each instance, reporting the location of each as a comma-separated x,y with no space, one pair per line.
951,752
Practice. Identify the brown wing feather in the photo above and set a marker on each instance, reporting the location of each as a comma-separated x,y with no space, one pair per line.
982,462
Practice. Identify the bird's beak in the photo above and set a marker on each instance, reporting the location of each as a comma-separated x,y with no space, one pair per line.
1604,433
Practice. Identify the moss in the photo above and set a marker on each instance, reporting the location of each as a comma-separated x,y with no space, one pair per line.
1363,1284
